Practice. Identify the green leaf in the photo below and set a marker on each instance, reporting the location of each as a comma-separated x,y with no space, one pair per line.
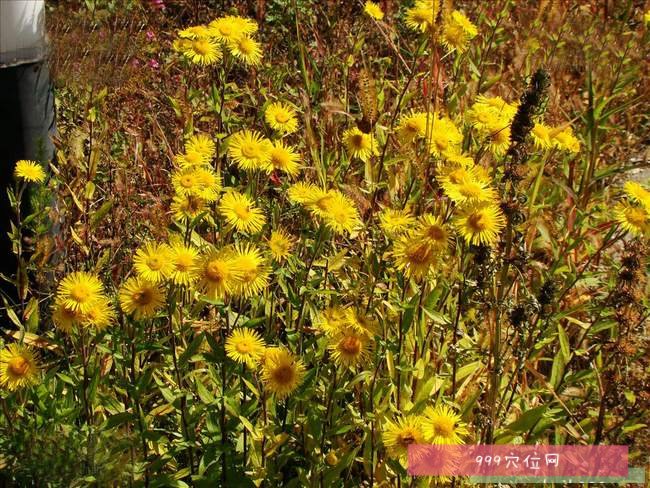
528,419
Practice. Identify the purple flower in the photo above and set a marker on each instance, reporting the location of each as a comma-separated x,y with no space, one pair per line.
150,36
153,64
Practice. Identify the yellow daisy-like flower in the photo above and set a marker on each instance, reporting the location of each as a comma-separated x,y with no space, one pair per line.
153,262
194,32
282,372
422,16
637,193
246,49
337,212
253,268
464,185
187,207
240,212
497,135
201,144
184,260
80,291
332,320
498,105
283,158
245,346
541,135
203,51
413,126
281,117
459,159
141,298
413,255
185,181
349,348
305,193
441,425
480,224
280,244
444,136
398,435
100,315
359,144
18,367
250,150
395,222
231,28
361,323
633,219
219,274
434,232
65,318
29,171
457,31
192,158
565,140
373,10
208,183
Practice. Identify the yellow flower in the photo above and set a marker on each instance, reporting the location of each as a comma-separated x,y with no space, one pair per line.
184,261
541,136
395,222
283,158
185,181
359,144
434,232
398,435
457,31
360,323
480,223
498,105
249,150
192,158
305,193
29,171
441,425
634,220
203,51
254,270
194,32
413,125
208,183
465,185
422,15
218,273
280,244
187,207
18,367
246,49
444,136
565,140
373,10
65,318
100,315
231,28
497,135
281,117
337,212
332,320
245,346
153,262
141,298
80,291
282,372
646,17
201,144
637,193
349,348
413,255
240,212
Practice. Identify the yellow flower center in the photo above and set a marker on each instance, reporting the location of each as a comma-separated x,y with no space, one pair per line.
225,30
216,271
250,150
80,293
187,181
470,189
356,141
246,45
636,216
436,233
477,222
324,203
143,296
193,157
184,262
154,263
18,366
419,254
444,426
279,158
350,345
406,438
283,374
412,126
244,347
242,211
281,117
201,46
